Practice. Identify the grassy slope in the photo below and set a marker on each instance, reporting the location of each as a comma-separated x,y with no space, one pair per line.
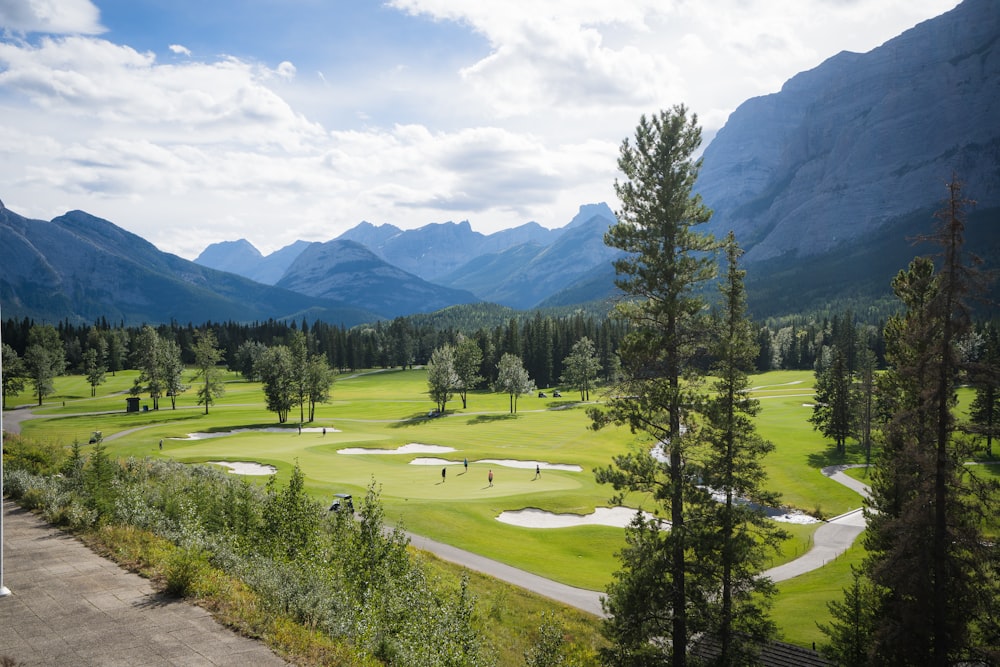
386,409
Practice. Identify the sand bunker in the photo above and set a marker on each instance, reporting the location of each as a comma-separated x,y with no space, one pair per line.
795,517
427,461
268,429
246,467
507,463
412,448
616,517
514,463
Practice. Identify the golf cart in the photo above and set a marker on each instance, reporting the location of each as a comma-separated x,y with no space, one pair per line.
342,501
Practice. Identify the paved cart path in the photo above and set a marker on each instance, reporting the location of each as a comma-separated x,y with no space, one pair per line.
70,606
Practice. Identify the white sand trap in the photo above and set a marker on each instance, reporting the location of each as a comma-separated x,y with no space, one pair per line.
427,461
795,517
268,429
616,517
530,465
412,448
246,467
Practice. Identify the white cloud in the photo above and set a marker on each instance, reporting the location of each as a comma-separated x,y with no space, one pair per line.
92,79
286,70
148,144
574,56
180,50
50,16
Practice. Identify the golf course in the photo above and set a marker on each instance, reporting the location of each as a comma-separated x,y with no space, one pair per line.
434,470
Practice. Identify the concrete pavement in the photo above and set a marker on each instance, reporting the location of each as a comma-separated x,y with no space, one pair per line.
69,606
832,538
588,601
829,541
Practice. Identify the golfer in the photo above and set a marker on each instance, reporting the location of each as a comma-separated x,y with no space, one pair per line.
444,471
490,477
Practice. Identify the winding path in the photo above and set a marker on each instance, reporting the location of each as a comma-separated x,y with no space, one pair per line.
829,541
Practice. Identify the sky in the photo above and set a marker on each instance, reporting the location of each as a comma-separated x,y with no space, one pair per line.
193,122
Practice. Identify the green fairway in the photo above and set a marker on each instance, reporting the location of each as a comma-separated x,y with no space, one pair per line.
385,410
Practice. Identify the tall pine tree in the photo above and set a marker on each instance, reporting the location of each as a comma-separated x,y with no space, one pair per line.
735,538
926,554
667,260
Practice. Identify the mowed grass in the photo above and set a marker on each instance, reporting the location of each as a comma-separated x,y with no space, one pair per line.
388,409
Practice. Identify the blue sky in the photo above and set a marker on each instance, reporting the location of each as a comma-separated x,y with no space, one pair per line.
275,120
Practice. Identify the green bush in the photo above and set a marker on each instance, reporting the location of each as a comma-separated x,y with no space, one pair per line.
185,567
17,481
40,458
71,513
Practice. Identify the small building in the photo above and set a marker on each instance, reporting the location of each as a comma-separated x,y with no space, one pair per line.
132,404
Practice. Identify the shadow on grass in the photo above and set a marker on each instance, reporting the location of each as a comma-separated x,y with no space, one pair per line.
153,417
489,419
831,457
415,419
255,427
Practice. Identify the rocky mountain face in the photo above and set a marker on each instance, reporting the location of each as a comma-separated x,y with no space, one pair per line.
243,259
526,275
849,149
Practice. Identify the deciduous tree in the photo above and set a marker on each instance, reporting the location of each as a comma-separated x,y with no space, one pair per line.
206,360
581,367
44,359
94,369
146,357
172,370
442,378
468,359
276,372
512,379
319,380
13,373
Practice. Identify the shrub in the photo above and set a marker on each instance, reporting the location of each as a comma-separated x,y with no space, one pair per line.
40,458
185,566
71,513
17,481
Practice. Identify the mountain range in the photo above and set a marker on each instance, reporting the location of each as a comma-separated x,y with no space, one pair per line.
80,267
433,266
825,183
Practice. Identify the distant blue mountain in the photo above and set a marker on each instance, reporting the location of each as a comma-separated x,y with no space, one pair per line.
80,268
